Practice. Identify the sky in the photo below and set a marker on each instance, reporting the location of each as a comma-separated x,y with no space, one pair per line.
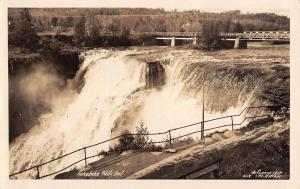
276,6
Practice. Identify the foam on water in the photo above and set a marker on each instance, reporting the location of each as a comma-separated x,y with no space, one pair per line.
113,97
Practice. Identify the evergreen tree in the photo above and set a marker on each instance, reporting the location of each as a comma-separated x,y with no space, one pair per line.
141,140
227,25
54,21
69,21
94,30
115,25
79,31
238,28
125,32
22,33
161,26
209,35
125,141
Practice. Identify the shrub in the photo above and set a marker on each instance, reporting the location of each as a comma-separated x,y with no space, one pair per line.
125,141
138,141
141,140
154,148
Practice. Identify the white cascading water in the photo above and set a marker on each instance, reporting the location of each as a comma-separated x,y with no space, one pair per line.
113,98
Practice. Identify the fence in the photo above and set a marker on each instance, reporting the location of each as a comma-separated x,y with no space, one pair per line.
169,140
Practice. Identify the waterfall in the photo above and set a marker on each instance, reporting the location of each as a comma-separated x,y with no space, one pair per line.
114,90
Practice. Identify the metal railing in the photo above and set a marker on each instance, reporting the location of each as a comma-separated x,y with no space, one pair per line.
256,35
166,141
170,34
246,34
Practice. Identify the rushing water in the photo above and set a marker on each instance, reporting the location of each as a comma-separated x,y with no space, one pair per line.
110,94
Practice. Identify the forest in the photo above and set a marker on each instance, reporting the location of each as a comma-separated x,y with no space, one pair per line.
96,26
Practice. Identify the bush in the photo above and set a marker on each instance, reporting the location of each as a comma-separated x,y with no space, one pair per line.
141,140
154,148
125,141
138,141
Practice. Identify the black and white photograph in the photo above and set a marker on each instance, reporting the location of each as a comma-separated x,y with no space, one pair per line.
164,91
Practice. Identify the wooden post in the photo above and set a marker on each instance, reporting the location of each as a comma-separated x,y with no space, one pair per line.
170,137
38,172
84,149
232,122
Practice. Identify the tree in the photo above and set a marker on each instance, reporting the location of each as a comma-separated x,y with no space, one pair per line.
93,30
54,21
114,26
238,28
79,31
161,26
141,140
138,141
69,21
209,38
125,141
22,33
125,32
226,25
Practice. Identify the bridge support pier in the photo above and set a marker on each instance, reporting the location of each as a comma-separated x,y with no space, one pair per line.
194,41
173,42
239,44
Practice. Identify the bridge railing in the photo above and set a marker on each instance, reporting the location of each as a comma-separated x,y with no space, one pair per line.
258,35
169,34
167,138
247,35
267,35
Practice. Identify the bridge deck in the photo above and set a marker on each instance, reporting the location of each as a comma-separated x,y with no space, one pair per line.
247,35
255,35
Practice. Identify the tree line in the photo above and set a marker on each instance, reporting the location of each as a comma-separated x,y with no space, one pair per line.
90,27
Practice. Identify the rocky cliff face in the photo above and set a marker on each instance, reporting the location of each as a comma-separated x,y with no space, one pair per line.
33,73
155,74
65,62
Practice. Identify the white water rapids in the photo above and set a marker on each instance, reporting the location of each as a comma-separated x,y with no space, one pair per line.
113,97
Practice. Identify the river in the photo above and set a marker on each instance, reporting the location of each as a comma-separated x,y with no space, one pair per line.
115,89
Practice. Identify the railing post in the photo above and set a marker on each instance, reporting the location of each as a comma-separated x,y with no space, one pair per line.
38,172
202,131
202,125
232,122
84,149
170,139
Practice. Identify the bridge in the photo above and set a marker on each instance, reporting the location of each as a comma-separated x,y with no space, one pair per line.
240,39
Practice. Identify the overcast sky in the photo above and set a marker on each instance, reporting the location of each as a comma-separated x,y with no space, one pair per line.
276,6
